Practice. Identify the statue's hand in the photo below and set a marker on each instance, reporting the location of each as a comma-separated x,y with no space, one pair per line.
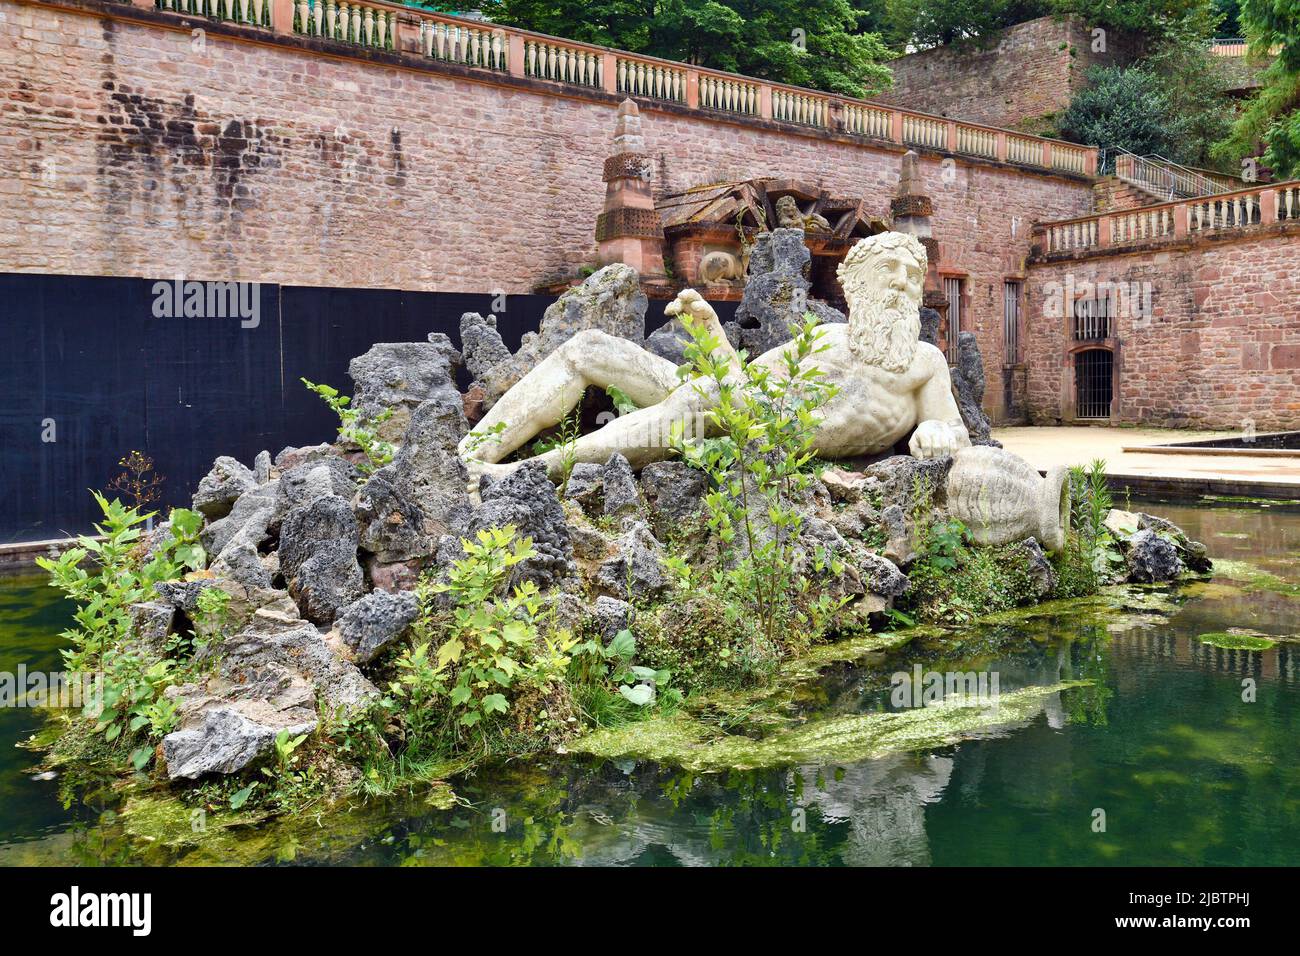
935,439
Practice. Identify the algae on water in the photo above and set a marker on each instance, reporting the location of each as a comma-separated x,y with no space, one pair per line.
686,742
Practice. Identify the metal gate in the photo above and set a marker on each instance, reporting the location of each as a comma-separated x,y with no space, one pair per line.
952,290
1093,383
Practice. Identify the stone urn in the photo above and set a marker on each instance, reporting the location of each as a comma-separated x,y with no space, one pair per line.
1001,498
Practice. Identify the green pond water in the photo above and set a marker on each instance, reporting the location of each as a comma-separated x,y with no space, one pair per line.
1160,741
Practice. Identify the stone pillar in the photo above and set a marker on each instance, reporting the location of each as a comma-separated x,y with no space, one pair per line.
628,229
911,209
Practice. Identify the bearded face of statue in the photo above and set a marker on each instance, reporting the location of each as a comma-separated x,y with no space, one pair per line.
883,287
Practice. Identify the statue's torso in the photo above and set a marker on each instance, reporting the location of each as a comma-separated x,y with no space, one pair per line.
874,408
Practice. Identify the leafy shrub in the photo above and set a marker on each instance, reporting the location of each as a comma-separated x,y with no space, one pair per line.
497,648
707,641
767,421
356,429
104,576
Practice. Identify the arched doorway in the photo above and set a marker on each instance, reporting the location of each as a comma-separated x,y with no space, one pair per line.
1094,383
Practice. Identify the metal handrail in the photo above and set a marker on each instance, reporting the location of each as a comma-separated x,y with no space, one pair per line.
1158,175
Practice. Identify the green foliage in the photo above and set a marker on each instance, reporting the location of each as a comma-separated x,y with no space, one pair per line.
497,647
623,404
117,577
927,23
767,421
1091,553
1269,126
104,576
1124,107
707,641
1154,19
565,439
815,43
356,429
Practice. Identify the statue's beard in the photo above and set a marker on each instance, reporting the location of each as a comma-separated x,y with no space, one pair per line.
884,331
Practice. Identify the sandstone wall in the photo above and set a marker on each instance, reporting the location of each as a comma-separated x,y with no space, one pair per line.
1220,348
1024,72
136,150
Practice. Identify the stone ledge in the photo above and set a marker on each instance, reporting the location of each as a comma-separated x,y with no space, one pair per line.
183,23
1201,240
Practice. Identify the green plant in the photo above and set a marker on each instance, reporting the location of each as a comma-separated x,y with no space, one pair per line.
767,419
498,646
565,439
356,429
117,577
623,404
638,685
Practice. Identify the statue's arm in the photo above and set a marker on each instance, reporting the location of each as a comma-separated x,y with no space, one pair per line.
940,430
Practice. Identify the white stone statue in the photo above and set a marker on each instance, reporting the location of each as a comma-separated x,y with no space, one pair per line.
891,384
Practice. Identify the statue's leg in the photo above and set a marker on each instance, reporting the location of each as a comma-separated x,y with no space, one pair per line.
548,393
642,436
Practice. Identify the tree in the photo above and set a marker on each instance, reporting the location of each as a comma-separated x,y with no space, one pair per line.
813,43
1271,121
1125,107
936,22
1154,19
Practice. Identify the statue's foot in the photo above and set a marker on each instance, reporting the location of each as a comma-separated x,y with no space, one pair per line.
477,469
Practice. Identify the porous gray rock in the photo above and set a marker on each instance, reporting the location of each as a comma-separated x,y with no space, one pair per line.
151,623
318,557
224,739
930,327
262,467
292,456
183,595
221,487
968,389
527,499
610,300
586,486
371,624
429,466
618,483
610,615
899,547
264,680
392,524
401,376
407,505
1029,556
1151,558
881,576
637,571
896,480
776,292
1193,554
481,344
248,522
316,478
674,492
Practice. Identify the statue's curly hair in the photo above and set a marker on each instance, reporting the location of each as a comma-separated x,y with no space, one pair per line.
864,250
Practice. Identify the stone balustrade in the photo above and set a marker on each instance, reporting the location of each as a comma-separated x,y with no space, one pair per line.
380,25
256,13
1242,209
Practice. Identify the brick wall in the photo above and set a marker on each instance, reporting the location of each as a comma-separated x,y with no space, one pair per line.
136,151
1024,72
1220,347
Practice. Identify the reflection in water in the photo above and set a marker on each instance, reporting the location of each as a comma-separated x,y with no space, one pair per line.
1163,740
